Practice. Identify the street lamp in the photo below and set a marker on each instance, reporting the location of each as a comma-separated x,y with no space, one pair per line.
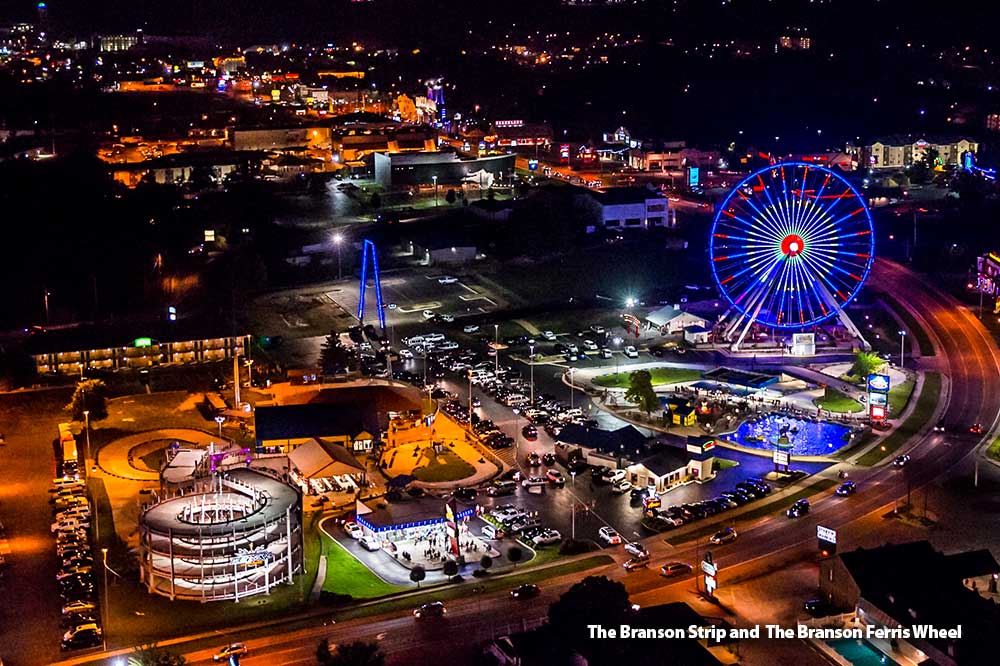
517,433
86,427
220,420
337,240
572,391
616,341
902,341
104,606
496,348
531,365
249,363
470,397
435,179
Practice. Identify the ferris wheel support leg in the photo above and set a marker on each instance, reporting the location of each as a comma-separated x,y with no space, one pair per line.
852,328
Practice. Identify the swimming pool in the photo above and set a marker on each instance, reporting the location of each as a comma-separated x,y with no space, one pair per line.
860,652
800,437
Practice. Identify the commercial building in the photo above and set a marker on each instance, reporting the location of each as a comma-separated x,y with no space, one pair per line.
632,208
75,351
442,168
669,156
238,534
903,150
988,279
907,584
279,138
513,134
671,319
611,448
350,145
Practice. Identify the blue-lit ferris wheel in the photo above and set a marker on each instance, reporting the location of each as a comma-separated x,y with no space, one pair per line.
791,245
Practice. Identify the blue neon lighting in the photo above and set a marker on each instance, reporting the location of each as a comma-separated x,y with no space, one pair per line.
364,283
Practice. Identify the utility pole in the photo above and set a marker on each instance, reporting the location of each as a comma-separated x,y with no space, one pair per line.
531,365
496,348
902,341
236,378
470,397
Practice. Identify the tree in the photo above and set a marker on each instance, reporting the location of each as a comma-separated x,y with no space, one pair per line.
594,600
515,555
485,562
417,574
152,655
323,653
376,201
640,391
450,196
333,357
356,653
451,568
90,394
865,363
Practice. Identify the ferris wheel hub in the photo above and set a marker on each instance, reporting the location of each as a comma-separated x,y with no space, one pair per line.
792,245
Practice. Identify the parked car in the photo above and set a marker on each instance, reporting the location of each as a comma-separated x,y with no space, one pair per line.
430,610
727,535
466,494
428,314
525,591
78,606
609,536
614,476
631,352
470,328
548,335
674,569
447,279
82,636
605,352
353,529
227,651
621,486
371,542
546,538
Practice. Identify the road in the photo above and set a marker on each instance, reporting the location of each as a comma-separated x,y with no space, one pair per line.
965,352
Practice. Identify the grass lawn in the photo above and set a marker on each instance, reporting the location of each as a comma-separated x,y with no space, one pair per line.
722,463
836,401
346,575
446,466
916,331
659,375
921,415
764,509
993,450
900,395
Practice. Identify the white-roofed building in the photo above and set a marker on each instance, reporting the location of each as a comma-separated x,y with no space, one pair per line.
670,319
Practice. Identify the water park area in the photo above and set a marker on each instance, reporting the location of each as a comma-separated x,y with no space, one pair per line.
797,436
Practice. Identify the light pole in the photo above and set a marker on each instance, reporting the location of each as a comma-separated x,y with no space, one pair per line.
617,342
470,397
337,240
496,348
220,420
249,363
531,365
86,427
435,179
902,341
572,392
46,298
104,606
517,433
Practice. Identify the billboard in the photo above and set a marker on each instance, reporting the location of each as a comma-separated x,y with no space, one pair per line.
803,344
878,383
877,412
826,534
780,457
694,177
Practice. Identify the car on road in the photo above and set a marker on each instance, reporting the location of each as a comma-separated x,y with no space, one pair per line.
447,279
621,486
546,538
371,542
555,477
466,494
674,569
638,562
635,549
631,352
227,651
609,535
976,428
428,314
432,609
353,529
799,509
470,328
529,432
82,636
501,488
939,426
525,591
534,481
549,459
847,488
534,460
901,461
727,535
548,335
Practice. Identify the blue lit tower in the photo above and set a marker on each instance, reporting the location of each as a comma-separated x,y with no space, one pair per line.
435,93
43,17
368,248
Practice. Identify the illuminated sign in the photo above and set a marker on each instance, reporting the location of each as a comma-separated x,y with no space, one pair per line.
509,123
257,556
877,412
711,570
532,165
880,399
878,383
780,457
142,342
694,177
826,534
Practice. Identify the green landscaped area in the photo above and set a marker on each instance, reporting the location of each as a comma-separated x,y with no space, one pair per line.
836,401
993,450
346,575
445,466
922,412
917,331
900,395
765,509
660,376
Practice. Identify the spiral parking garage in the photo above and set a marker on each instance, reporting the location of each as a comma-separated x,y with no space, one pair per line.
238,534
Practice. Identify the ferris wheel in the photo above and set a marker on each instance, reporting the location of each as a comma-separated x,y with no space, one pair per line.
791,245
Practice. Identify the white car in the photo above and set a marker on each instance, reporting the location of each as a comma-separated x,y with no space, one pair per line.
353,529
405,354
448,346
548,335
428,314
470,328
589,345
447,318
533,481
546,538
605,352
434,337
371,542
631,352
615,476
609,536
597,329
447,279
621,486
